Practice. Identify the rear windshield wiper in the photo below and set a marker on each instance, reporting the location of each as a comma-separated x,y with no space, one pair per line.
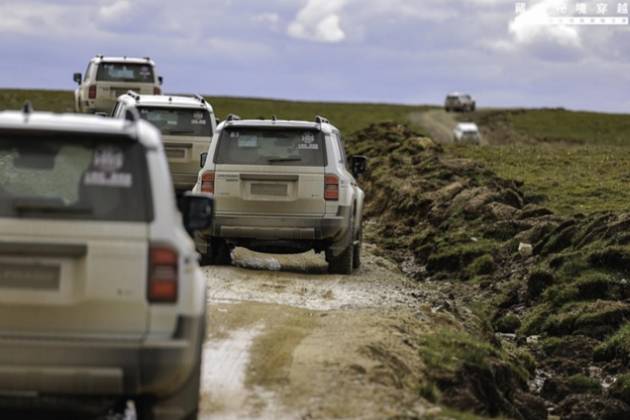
21,207
284,160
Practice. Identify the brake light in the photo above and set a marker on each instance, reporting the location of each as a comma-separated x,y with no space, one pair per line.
331,187
92,92
157,90
207,182
163,272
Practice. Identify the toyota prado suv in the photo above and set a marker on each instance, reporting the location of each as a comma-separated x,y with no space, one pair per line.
187,125
106,78
459,102
282,187
101,295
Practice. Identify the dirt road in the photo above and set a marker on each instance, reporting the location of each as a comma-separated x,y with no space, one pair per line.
286,340
438,123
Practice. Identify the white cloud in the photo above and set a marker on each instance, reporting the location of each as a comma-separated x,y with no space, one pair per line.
114,11
527,29
319,21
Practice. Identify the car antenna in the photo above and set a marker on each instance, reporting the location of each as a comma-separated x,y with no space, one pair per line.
27,109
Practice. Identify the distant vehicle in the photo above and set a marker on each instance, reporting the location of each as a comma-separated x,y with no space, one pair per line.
459,102
101,294
283,187
466,133
187,125
106,78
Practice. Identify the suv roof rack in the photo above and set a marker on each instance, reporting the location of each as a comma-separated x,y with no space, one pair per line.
200,98
232,117
321,120
134,95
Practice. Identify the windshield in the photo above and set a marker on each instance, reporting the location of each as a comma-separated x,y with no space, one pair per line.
73,178
125,72
179,121
271,146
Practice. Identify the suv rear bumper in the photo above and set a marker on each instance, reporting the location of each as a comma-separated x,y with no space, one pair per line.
282,228
101,367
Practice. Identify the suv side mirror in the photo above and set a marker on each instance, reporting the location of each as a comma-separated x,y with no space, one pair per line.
161,80
196,210
203,159
77,78
358,165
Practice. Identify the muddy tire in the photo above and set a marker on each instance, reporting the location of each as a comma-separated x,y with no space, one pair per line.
344,262
356,250
218,253
186,399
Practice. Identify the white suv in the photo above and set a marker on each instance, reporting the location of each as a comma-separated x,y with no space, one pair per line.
187,125
459,102
101,294
282,187
106,78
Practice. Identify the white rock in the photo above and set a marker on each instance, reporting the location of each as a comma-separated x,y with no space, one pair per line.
526,250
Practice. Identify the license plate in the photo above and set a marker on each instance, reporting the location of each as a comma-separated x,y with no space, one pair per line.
175,153
278,190
117,92
40,277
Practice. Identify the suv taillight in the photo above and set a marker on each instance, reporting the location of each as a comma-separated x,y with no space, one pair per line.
331,187
157,90
92,92
207,182
163,271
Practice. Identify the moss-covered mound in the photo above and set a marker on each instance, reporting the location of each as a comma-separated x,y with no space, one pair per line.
554,287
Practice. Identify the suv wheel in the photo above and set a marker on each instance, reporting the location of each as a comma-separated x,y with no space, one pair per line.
218,253
188,396
344,262
356,250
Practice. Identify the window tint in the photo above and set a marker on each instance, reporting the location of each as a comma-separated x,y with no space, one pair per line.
178,121
125,72
73,177
271,146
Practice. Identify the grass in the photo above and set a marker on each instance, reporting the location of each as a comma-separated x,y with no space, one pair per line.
571,179
576,127
348,117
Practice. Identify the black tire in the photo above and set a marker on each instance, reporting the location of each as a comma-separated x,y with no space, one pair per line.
344,262
187,396
218,253
356,250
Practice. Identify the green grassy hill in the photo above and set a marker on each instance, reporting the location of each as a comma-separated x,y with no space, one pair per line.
348,117
577,162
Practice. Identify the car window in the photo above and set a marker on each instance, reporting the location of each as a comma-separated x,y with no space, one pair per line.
179,121
125,72
87,72
84,177
342,152
271,146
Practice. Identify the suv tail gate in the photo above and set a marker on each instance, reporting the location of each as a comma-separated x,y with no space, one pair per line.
276,171
91,283
74,220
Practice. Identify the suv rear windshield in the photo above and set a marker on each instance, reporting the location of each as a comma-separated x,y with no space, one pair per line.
178,121
271,146
83,177
125,72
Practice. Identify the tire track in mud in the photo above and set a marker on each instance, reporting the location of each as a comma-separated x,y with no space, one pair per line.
286,341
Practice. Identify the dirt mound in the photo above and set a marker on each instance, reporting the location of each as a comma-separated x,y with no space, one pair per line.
550,295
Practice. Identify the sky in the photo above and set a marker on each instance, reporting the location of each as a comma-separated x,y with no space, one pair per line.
394,51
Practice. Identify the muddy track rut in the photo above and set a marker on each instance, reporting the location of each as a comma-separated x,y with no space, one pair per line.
286,340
